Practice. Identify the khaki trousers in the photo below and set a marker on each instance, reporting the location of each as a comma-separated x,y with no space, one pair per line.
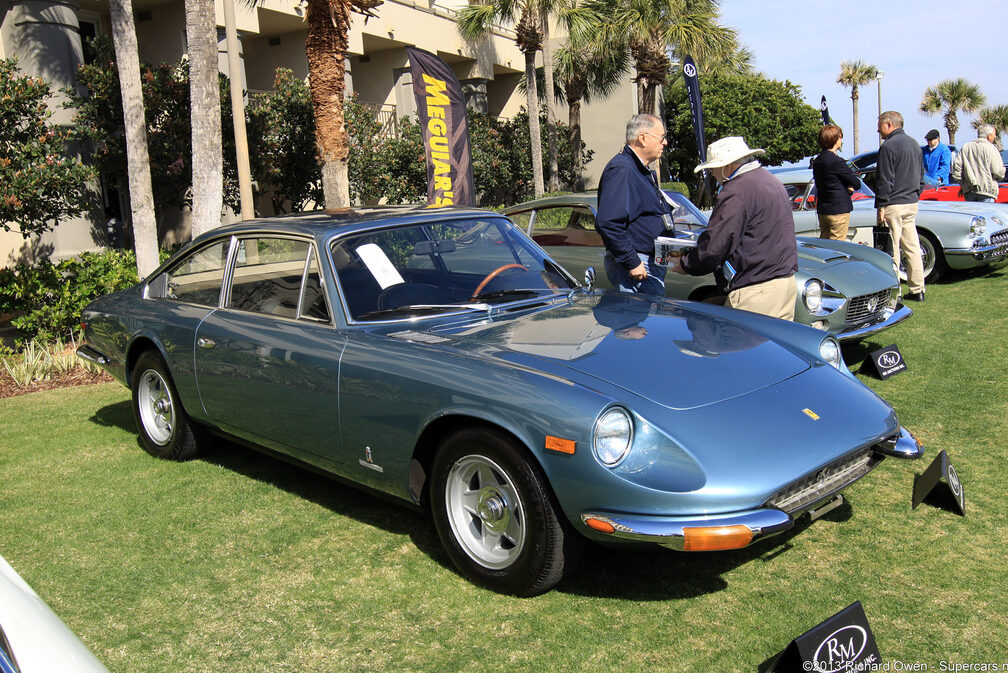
834,226
775,298
902,222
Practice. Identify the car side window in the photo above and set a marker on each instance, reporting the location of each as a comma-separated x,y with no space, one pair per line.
565,226
197,278
313,301
267,276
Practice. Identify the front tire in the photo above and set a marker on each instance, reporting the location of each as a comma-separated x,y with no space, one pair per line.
496,516
932,258
164,428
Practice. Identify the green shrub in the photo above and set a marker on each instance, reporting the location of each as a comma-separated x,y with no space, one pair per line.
680,187
47,299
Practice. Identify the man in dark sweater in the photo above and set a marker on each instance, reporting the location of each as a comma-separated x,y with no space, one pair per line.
899,176
632,213
750,240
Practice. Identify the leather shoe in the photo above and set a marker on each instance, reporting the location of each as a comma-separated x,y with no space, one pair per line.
914,296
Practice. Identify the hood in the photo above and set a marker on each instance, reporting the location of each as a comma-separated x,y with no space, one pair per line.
662,350
813,257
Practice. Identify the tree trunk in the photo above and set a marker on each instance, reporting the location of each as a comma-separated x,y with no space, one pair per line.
137,159
551,121
574,136
205,115
648,106
535,133
326,46
854,97
640,93
951,125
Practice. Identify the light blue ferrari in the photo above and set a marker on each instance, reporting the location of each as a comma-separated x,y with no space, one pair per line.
440,357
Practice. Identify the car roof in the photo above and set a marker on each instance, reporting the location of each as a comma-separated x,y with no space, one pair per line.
793,174
581,199
323,223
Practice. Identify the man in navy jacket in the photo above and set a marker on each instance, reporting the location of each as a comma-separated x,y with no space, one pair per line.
632,212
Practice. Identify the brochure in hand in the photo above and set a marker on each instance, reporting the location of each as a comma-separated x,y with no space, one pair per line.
668,250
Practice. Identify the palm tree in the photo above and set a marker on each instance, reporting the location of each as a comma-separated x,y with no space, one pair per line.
141,194
997,117
952,95
205,114
855,74
326,48
551,124
477,20
654,29
585,73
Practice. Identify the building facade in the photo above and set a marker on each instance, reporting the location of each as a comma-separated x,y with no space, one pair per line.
46,36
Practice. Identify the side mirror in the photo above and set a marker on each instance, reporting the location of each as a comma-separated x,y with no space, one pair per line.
589,278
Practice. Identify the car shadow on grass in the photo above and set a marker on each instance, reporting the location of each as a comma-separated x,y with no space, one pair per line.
644,574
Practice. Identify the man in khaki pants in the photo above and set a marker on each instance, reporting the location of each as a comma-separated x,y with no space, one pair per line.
899,177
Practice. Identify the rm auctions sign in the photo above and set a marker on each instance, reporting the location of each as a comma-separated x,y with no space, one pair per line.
844,642
884,362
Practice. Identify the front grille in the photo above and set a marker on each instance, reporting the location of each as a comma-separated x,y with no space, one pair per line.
867,308
824,482
999,237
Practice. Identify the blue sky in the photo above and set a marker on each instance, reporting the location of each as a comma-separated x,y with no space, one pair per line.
916,45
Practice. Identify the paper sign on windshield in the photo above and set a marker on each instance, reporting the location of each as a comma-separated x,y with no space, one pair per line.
379,265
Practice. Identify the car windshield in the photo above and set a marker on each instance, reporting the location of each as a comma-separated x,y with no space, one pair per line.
687,216
440,266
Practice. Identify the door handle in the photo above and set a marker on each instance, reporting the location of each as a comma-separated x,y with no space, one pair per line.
203,342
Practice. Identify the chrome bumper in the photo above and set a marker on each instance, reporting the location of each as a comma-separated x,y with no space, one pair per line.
962,258
669,531
892,317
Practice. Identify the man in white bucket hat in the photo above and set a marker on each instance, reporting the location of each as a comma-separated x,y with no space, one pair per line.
750,243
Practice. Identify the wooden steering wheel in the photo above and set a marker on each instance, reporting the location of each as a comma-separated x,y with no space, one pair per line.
493,274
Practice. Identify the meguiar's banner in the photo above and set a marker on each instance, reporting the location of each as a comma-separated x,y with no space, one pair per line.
825,111
441,109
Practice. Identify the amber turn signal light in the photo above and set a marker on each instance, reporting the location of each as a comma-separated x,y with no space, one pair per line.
716,537
600,525
558,444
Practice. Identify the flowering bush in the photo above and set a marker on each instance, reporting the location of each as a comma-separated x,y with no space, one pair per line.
39,182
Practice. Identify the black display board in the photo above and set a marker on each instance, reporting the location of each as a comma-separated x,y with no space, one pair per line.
844,642
940,471
884,362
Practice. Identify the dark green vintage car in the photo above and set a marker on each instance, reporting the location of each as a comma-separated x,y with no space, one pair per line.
845,289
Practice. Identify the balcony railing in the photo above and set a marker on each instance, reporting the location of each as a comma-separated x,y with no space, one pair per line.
385,115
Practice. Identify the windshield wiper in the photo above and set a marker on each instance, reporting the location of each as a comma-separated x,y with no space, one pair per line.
510,294
422,308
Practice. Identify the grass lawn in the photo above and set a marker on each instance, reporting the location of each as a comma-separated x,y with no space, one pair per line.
238,562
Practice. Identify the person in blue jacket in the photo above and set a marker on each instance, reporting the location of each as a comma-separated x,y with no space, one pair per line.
937,160
632,212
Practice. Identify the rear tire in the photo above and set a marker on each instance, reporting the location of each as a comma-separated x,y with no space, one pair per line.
164,428
497,517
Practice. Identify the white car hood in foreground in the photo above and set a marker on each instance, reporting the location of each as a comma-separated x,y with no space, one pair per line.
38,639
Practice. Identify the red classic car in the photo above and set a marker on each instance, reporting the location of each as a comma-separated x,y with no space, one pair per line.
951,193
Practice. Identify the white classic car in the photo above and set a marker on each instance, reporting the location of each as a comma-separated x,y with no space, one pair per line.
953,235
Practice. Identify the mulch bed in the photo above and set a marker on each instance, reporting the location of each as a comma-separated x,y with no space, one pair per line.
78,377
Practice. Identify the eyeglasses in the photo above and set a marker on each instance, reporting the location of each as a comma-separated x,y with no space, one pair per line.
661,137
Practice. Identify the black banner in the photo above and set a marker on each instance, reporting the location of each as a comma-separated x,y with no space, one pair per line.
825,111
689,72
441,110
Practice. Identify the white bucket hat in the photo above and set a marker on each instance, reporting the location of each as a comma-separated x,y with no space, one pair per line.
726,151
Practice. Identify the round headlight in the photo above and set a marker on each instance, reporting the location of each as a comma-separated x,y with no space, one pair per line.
978,225
812,295
612,436
829,350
